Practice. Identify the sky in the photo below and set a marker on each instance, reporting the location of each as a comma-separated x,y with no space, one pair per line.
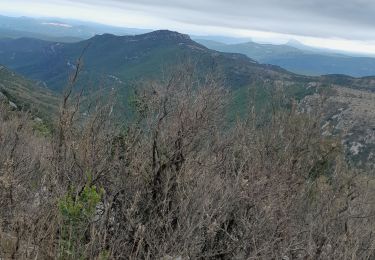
346,25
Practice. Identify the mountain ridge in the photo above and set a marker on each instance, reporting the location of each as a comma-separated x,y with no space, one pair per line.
58,28
128,56
307,61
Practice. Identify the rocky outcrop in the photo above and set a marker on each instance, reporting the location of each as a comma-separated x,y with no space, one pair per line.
349,113
4,99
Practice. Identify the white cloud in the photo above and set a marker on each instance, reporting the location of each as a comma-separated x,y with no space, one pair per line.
346,25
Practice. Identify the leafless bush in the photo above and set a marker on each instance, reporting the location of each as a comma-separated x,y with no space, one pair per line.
180,181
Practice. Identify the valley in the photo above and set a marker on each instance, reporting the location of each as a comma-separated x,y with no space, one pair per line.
119,62
179,130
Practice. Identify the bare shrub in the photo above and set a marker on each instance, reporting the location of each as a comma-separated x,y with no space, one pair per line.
180,181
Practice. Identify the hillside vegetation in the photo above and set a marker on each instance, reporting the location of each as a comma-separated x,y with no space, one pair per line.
177,182
131,58
24,94
134,59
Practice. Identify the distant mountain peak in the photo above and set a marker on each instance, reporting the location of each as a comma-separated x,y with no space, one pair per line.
296,44
105,35
160,35
165,34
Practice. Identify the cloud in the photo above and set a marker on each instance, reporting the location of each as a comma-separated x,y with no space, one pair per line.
349,19
345,23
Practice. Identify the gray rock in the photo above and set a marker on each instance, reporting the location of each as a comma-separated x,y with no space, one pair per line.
12,105
38,120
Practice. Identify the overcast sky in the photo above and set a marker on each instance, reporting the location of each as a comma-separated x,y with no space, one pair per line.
339,24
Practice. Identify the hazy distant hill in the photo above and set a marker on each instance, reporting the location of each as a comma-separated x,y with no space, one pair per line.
14,34
121,59
300,60
115,58
119,62
293,56
57,29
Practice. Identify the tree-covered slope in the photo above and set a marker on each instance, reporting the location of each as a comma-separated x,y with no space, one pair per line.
21,93
118,59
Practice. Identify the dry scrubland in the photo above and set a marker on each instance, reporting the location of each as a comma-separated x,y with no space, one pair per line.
350,113
179,182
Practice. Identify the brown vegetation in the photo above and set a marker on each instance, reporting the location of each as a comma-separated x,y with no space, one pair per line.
179,182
